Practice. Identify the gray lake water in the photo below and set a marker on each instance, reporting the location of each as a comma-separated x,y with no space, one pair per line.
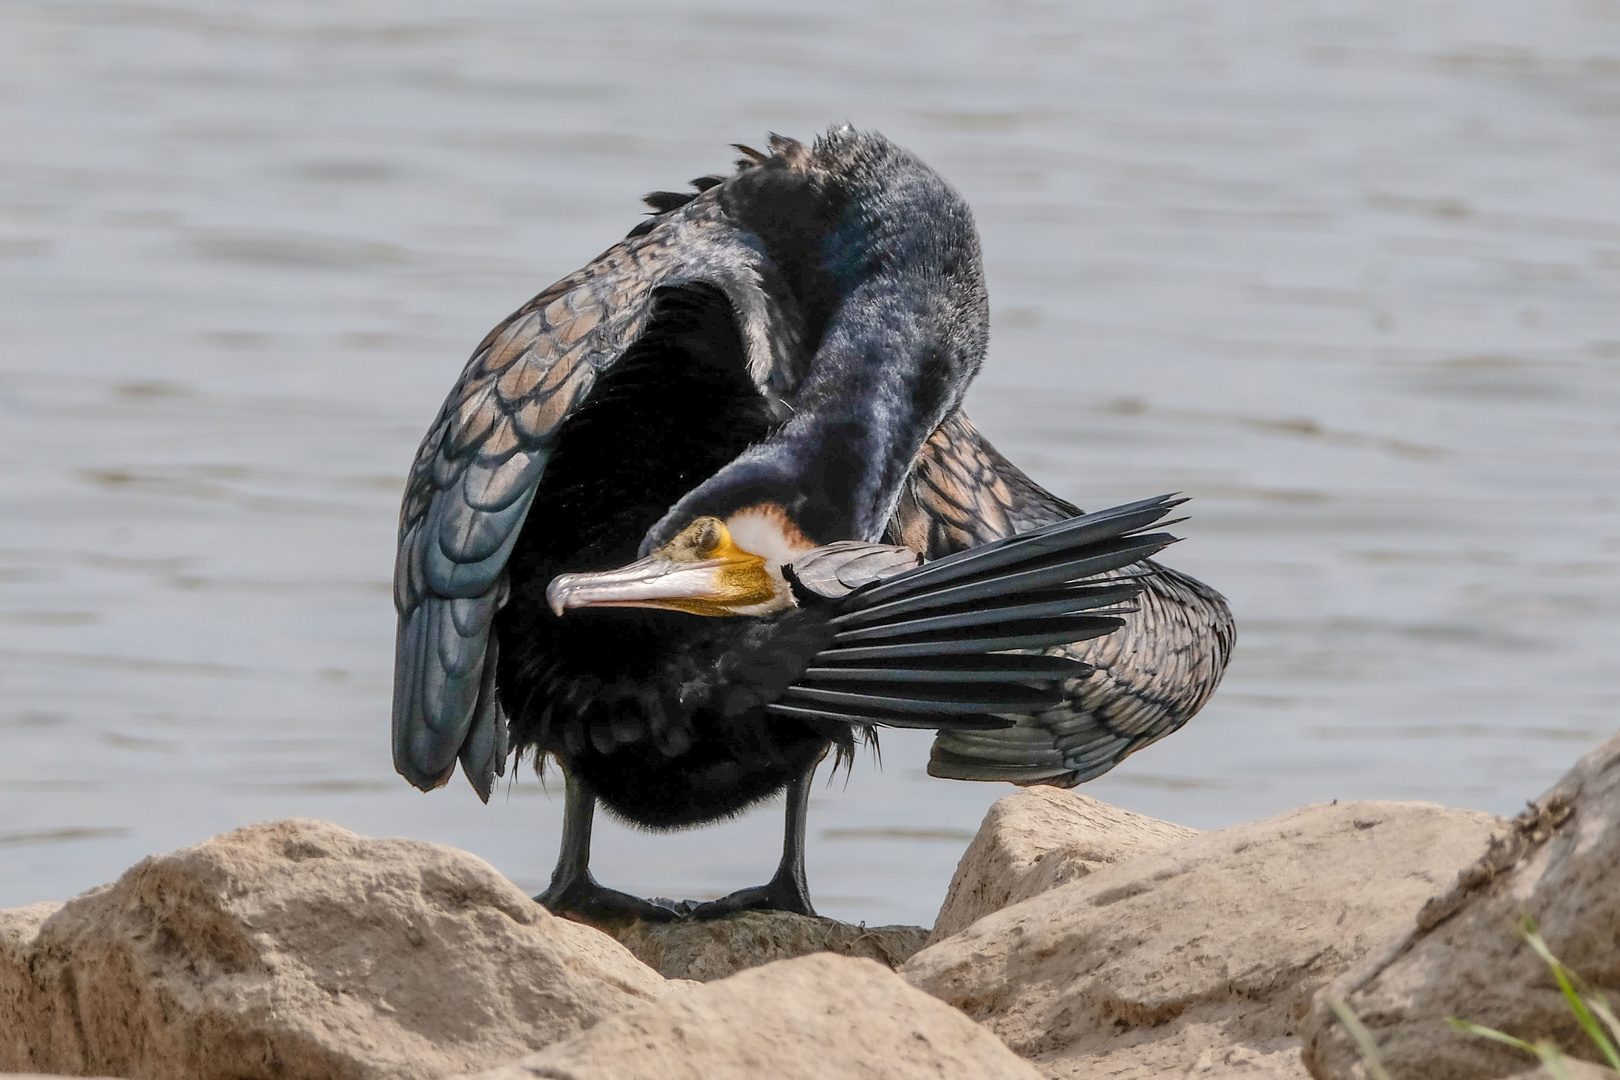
1346,273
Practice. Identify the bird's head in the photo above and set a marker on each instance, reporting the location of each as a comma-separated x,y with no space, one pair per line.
710,567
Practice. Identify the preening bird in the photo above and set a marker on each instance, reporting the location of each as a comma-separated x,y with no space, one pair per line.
709,507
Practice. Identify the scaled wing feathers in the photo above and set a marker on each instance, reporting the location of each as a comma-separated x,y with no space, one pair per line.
475,474
1152,674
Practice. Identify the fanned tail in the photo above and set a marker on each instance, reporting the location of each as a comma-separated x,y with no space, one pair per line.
929,647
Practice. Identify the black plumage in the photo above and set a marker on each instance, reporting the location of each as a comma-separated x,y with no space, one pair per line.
776,359
624,695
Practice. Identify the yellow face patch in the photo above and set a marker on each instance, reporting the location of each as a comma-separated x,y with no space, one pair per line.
702,571
740,580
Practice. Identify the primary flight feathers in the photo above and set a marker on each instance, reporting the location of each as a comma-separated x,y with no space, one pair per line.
888,665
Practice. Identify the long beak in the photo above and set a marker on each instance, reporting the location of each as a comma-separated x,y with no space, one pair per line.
654,582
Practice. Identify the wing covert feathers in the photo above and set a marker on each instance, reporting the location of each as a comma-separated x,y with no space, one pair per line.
838,569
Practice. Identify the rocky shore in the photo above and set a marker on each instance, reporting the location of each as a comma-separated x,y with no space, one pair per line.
1078,940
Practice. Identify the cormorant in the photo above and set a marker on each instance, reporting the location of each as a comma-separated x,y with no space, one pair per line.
667,529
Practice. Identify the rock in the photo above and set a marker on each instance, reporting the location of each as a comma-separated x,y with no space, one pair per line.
1040,838
18,928
298,949
1578,1070
1560,863
819,1017
19,925
713,950
1200,959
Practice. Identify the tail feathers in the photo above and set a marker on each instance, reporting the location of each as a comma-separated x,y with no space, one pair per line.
920,649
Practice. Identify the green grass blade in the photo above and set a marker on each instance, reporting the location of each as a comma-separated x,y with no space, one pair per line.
1583,1014
1595,1006
1471,1028
1600,1006
1567,980
1361,1036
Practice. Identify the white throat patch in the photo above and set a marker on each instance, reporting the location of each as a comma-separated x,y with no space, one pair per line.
766,531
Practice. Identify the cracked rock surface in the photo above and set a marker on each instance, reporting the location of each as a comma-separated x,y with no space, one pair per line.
299,949
1200,959
1558,862
820,1017
1037,839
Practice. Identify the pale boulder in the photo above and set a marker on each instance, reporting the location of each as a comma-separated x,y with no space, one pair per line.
819,1017
18,928
1560,863
301,949
1200,959
1037,839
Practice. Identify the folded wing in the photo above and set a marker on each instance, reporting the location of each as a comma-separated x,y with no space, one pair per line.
1144,680
472,484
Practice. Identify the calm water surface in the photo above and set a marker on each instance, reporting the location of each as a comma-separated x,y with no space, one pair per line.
1347,273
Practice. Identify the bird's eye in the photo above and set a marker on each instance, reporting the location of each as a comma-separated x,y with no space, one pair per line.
699,540
707,534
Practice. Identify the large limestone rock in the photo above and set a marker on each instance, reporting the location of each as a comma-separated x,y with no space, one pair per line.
1560,863
710,950
1200,959
819,1017
1040,838
298,949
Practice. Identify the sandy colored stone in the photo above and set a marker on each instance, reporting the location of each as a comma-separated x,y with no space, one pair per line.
1037,839
715,949
19,925
1560,863
1200,959
1578,1070
819,1017
18,928
298,949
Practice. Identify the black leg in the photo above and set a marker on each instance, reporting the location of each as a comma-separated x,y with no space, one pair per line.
787,890
573,892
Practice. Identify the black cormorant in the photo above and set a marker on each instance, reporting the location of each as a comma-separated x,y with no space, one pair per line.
667,529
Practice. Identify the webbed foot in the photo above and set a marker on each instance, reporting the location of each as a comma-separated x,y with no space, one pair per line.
782,894
583,900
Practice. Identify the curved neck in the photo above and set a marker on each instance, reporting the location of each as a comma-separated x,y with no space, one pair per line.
886,375
905,332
